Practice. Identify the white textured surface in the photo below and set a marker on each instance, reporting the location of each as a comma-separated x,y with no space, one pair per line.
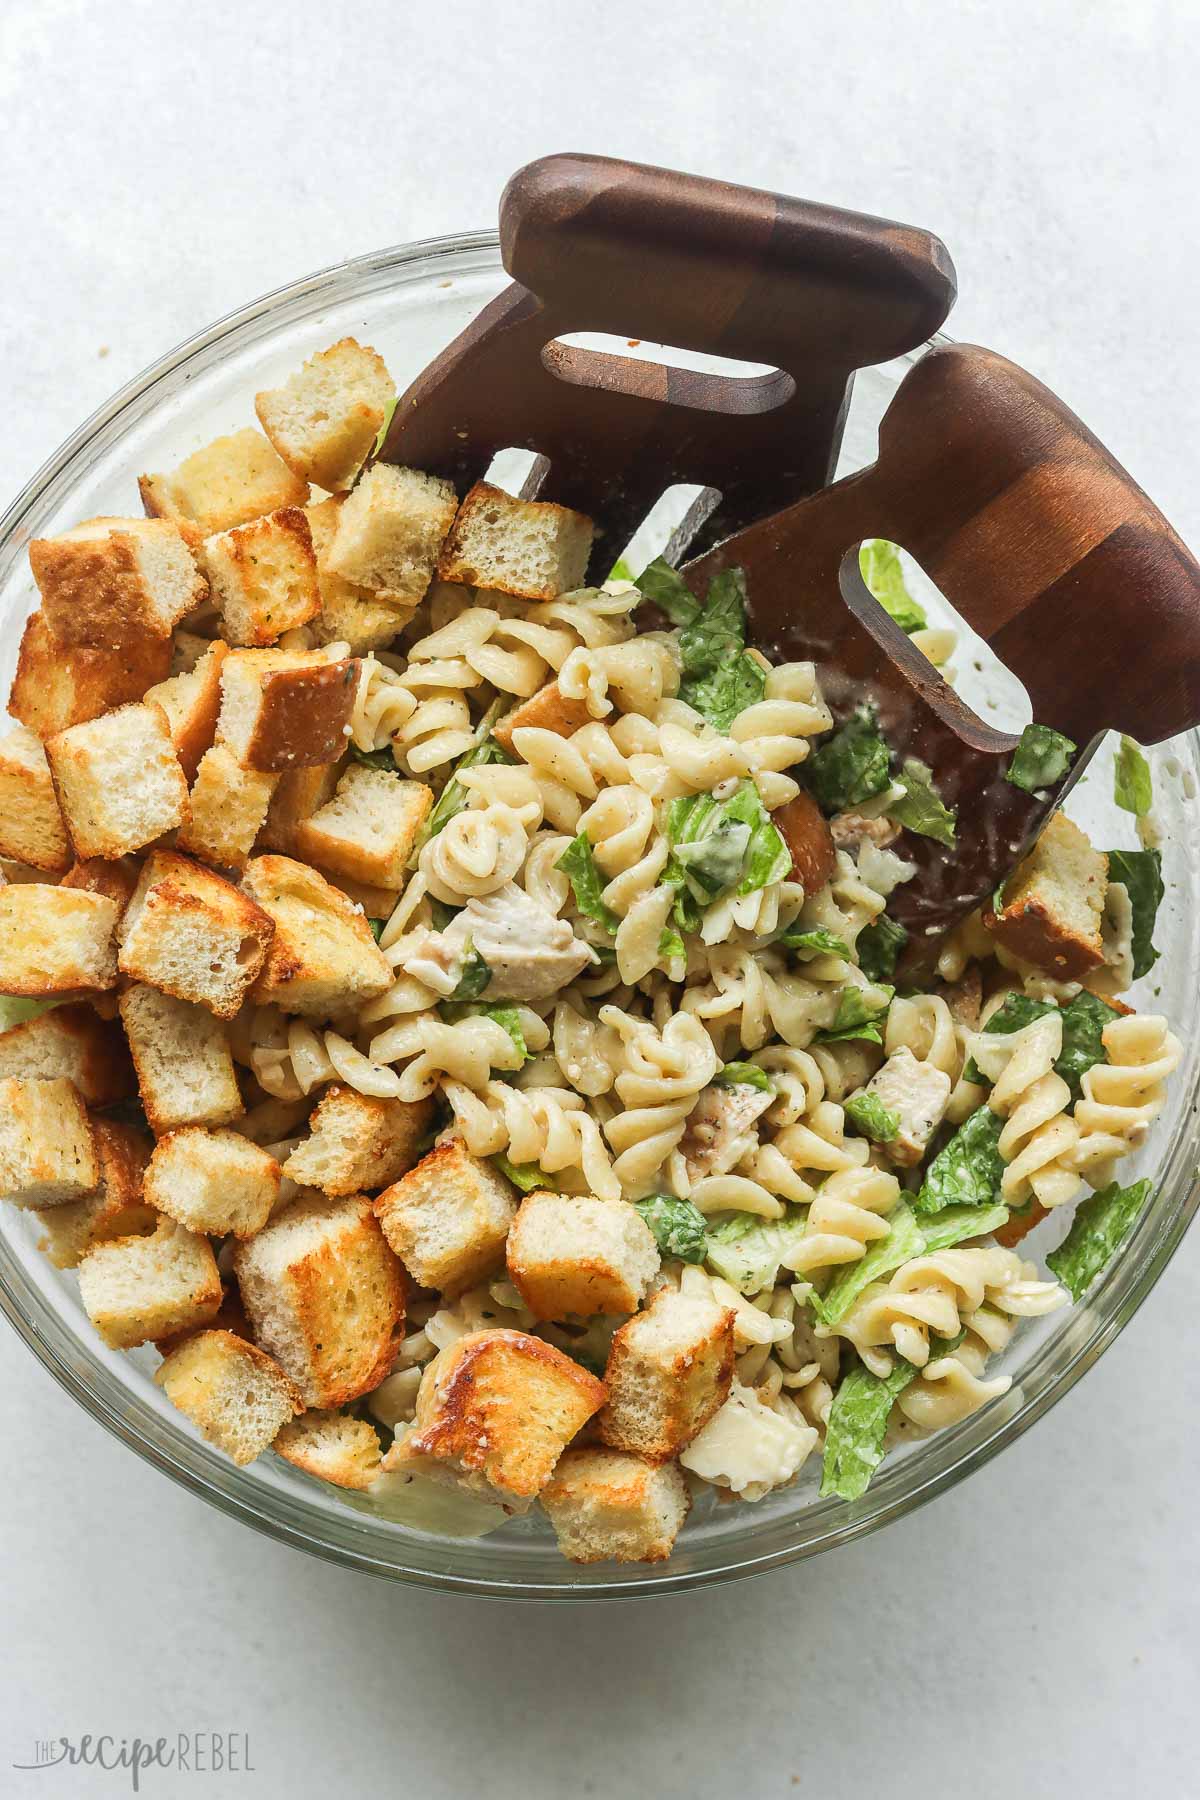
1035,1632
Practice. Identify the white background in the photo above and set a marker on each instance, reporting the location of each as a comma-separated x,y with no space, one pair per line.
1035,1632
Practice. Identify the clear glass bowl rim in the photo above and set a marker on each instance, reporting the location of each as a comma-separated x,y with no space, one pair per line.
899,1489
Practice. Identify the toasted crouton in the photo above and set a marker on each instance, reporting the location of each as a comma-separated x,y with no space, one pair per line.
47,1152
547,711
325,418
114,878
286,709
183,1062
190,701
335,1447
118,780
606,1505
324,958
228,808
217,1182
55,940
356,1142
349,614
192,934
325,1296
112,581
669,1370
448,1218
264,576
57,685
116,1209
805,831
368,829
297,797
1053,905
71,1043
31,825
390,529
376,902
236,1396
531,548
231,481
495,1411
572,1253
136,1290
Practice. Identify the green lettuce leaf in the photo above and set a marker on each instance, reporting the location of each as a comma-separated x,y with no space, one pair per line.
873,1118
16,1011
620,571
727,691
744,1074
1084,1019
1099,1228
381,434
749,1251
851,766
454,796
717,633
1140,874
665,588
679,1228
717,844
968,1170
1042,758
904,1240
474,978
817,943
376,759
670,945
526,1176
856,1428
509,1018
1133,787
959,1222
921,809
377,928
880,566
858,1015
878,945
579,866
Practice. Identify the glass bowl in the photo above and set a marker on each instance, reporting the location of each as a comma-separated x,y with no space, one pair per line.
409,302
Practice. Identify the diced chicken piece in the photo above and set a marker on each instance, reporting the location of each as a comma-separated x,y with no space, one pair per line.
720,1127
850,830
531,954
806,834
917,1092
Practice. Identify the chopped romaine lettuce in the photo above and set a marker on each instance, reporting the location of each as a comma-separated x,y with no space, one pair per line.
509,1018
744,1074
665,588
968,1170
921,809
880,566
856,1428
903,1241
376,759
878,945
579,866
959,1222
733,685
1133,788
719,679
1140,874
1042,758
816,943
851,767
873,1118
749,1251
15,1011
717,844
377,928
474,977
1099,1228
679,1228
1083,1022
381,434
859,1013
526,1176
454,796
620,571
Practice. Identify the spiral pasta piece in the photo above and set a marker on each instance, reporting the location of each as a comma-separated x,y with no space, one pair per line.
775,732
934,1294
465,1052
1039,1137
544,1125
1122,1097
635,676
474,854
849,1213
661,1076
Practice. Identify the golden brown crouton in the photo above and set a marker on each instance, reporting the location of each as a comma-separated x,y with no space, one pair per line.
286,709
357,1143
116,1209
325,418
495,1411
31,825
217,1182
335,1447
190,701
349,614
1053,905
55,940
137,1290
448,1218
190,933
118,780
669,1370
236,1396
57,685
264,576
606,1505
184,1066
574,1254
71,1043
231,481
806,833
228,808
297,797
47,1153
325,1296
324,958
110,582
546,711
115,878
367,831
390,529
531,548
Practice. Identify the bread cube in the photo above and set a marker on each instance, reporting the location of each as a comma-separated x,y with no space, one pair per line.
607,1506
231,481
669,1370
118,780
116,1209
390,529
115,878
112,581
349,614
55,940
531,548
335,1447
546,711
184,1066
448,1218
325,418
213,1181
228,808
296,798
574,1254
139,1289
367,831
323,958
71,1043
1052,906
31,825
47,1154
376,902
191,700
191,933
57,685
357,1142
286,709
325,1296
264,576
235,1395
495,1411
